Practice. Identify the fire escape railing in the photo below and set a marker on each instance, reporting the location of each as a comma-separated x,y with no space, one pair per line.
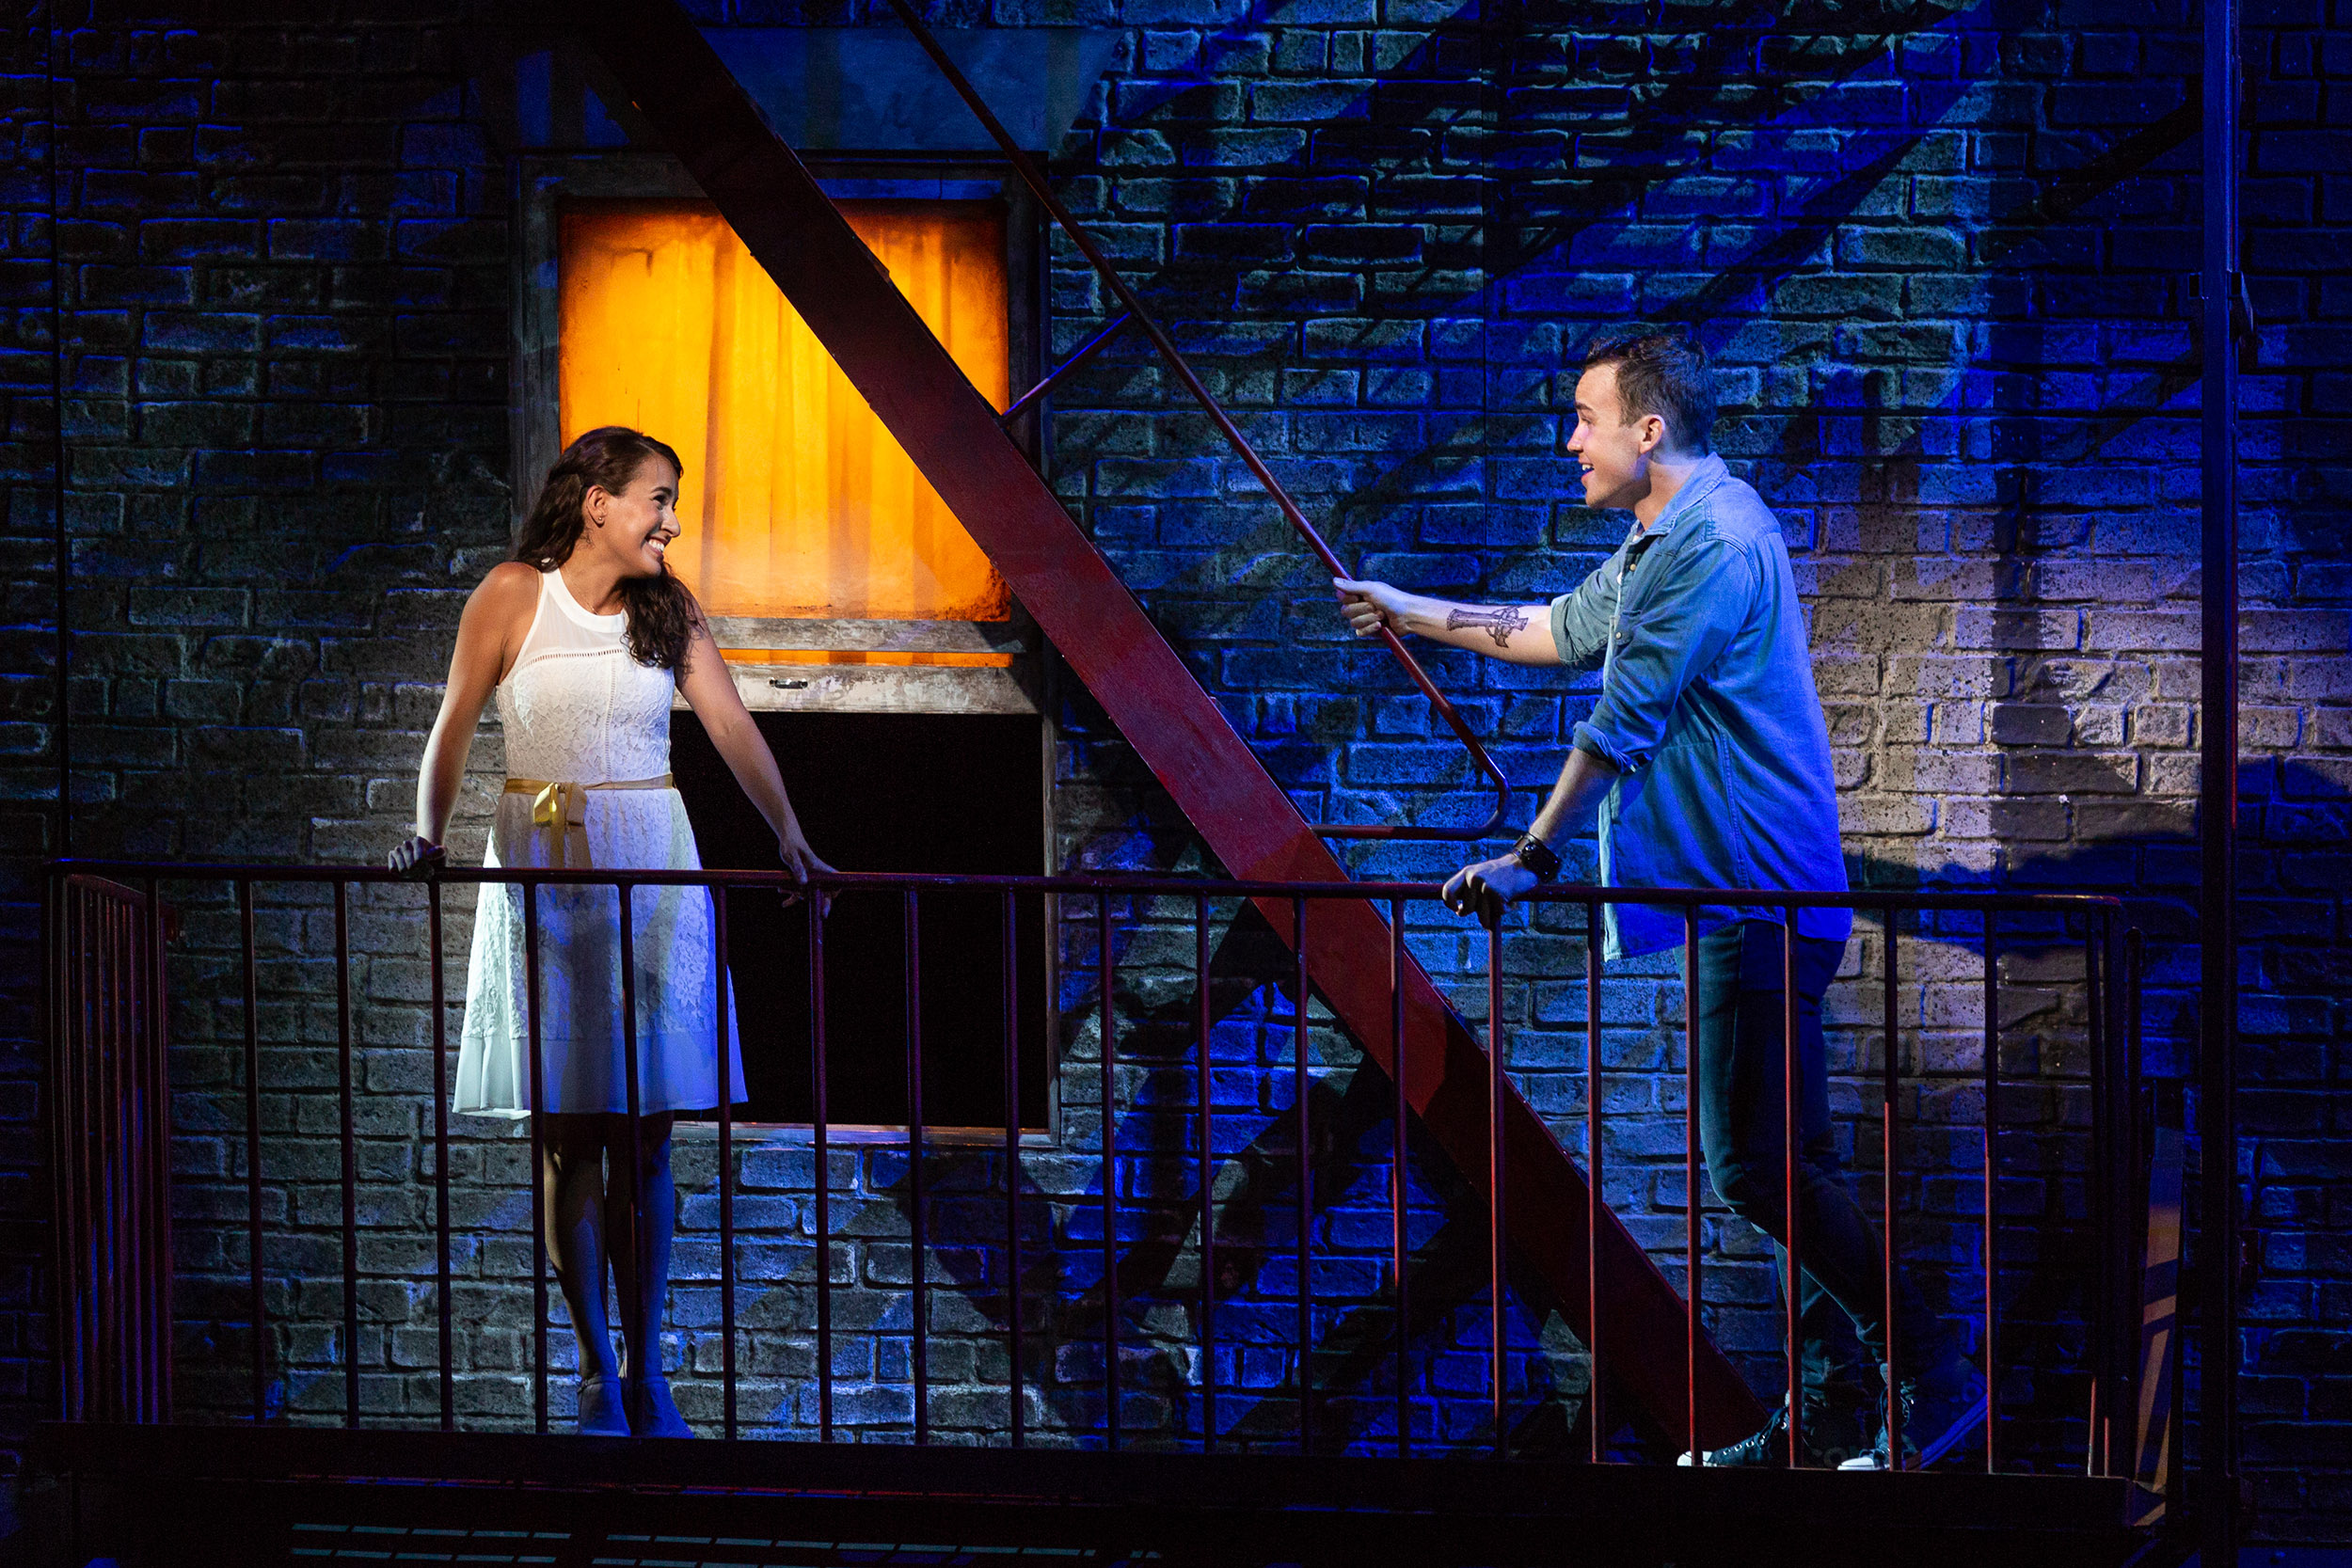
109,1125
96,1001
1135,312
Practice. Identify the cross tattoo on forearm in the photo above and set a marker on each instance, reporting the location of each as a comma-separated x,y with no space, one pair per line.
1499,622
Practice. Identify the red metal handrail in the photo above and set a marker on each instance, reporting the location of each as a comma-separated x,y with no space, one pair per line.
1151,328
91,1025
1089,883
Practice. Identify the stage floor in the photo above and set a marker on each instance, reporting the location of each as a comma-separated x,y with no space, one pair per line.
229,1495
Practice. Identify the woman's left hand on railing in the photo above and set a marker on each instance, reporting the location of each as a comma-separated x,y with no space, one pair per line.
799,859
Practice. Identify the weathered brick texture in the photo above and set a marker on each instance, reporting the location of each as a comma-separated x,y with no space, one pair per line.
1945,287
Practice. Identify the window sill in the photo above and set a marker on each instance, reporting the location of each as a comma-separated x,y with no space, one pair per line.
793,1134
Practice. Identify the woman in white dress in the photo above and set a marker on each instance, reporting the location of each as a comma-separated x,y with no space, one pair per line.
585,636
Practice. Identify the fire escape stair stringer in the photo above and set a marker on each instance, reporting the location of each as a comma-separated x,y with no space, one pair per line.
950,431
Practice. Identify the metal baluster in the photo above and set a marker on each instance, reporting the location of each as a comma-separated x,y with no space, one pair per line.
1011,999
644,1353
537,1067
253,1153
1399,1255
56,975
122,1161
126,1157
1496,1345
160,1158
131,1260
155,1217
90,1179
81,1050
721,993
1595,1209
345,1126
822,1180
1110,1168
2103,1214
1992,1196
1206,1173
440,1155
72,986
1301,1086
80,1022
1891,1068
1691,1214
2128,1152
914,1161
1794,1287
107,1132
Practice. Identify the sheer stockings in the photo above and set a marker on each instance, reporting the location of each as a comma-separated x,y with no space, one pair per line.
587,1179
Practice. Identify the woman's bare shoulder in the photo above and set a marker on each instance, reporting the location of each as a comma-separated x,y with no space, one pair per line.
511,587
510,578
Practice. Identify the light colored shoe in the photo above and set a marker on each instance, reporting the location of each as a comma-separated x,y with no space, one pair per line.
652,1412
602,1412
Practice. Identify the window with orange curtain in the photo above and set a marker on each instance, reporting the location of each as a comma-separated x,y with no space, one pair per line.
795,502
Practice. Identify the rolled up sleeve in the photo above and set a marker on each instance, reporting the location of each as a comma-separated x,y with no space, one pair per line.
1580,617
1683,626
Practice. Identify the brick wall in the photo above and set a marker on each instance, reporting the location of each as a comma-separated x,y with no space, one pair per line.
284,335
1939,260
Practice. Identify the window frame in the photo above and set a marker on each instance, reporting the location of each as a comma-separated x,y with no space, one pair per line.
544,183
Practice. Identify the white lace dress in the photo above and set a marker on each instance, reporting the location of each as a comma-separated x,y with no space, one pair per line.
578,710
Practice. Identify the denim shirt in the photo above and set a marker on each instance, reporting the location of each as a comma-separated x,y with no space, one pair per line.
1708,712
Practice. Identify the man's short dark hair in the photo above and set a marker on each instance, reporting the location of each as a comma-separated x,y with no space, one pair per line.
1665,375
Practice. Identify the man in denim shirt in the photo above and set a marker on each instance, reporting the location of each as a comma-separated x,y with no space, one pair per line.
1707,760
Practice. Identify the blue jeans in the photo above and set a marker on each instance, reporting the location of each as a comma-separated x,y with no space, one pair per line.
1738,1040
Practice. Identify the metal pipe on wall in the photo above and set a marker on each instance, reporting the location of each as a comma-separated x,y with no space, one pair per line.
61,728
2216,806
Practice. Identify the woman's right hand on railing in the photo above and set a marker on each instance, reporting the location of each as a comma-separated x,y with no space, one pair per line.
418,855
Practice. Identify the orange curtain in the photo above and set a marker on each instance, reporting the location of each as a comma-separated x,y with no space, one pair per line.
796,501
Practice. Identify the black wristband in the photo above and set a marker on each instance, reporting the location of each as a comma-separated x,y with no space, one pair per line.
1535,855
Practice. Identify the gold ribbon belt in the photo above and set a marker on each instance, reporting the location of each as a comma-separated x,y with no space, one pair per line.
564,806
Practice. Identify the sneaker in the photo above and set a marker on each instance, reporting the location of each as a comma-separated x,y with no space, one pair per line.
652,1412
600,1412
1768,1449
1940,1410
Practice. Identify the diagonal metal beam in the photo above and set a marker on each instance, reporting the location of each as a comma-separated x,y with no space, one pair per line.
951,433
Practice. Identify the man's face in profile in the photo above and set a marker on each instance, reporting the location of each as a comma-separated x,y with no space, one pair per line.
1611,454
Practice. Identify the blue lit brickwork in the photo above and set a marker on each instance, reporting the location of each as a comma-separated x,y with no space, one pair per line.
1938,252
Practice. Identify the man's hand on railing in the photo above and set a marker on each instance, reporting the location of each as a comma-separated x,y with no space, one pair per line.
1487,887
1370,606
1515,633
418,857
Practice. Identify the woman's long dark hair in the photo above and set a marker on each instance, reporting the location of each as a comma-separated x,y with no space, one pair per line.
662,613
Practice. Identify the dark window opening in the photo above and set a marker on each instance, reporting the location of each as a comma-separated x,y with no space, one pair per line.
959,793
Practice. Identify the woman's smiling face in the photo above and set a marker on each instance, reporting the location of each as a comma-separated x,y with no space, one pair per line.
634,528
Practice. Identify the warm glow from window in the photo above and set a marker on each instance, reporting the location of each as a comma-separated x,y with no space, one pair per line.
796,501
873,657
